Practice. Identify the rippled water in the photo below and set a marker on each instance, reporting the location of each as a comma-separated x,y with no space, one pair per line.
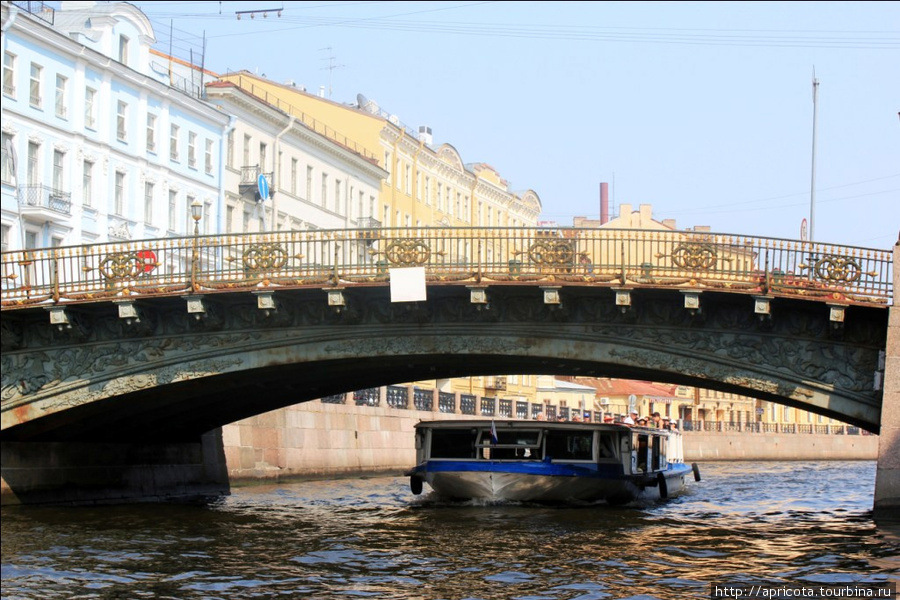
765,523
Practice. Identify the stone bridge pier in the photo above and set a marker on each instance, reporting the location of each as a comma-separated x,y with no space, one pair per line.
887,478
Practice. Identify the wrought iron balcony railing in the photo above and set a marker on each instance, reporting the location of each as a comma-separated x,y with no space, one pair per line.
44,197
478,257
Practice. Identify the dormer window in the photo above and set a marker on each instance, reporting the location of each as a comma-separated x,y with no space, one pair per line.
123,50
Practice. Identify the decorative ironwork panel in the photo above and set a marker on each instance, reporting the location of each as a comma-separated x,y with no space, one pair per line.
695,257
265,257
423,399
126,265
521,409
536,411
552,253
467,404
408,253
488,407
447,402
838,269
550,412
397,397
505,408
334,399
367,397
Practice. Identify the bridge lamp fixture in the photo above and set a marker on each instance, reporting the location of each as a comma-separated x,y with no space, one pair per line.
836,313
551,295
761,306
691,300
336,299
59,318
478,295
623,299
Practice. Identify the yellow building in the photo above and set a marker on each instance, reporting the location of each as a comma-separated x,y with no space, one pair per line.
425,186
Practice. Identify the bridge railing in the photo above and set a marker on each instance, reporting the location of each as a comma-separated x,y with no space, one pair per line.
551,256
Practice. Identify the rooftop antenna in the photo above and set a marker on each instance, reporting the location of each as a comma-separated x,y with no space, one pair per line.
331,67
812,187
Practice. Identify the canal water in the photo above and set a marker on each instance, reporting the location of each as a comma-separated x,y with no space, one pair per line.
777,523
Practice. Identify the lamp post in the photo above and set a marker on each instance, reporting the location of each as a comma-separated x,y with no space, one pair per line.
196,213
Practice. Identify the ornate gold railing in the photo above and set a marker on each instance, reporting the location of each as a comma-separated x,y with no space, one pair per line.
482,256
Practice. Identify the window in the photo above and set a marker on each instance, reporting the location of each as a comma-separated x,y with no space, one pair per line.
246,162
309,180
34,164
173,143
61,96
123,50
229,217
324,189
192,150
121,110
90,108
262,157
35,88
9,74
337,196
7,159
230,149
151,132
173,205
87,184
119,199
58,174
148,202
209,157
294,176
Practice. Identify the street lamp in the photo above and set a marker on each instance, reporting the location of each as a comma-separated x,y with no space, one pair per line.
196,213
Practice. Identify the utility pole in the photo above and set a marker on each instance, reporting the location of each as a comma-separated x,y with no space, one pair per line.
812,190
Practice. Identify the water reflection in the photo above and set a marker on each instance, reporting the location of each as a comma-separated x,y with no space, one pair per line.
745,522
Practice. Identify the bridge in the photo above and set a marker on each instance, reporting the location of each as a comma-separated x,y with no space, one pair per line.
141,350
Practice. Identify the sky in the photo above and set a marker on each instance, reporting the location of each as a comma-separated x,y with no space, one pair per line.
703,110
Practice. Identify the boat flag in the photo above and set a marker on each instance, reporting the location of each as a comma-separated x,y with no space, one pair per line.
493,432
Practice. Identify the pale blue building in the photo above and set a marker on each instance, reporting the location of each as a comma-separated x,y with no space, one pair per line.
101,141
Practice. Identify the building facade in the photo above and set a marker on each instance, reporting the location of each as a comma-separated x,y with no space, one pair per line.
97,145
314,181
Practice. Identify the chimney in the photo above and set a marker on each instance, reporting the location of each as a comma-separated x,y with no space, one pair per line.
604,203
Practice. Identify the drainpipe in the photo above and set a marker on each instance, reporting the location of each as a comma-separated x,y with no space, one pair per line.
277,172
414,196
229,127
394,161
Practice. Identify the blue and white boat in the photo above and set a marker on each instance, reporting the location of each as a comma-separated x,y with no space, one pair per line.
548,462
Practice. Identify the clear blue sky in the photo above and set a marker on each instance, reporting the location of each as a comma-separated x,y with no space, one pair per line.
702,109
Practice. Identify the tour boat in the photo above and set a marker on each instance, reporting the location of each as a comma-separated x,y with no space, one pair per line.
548,462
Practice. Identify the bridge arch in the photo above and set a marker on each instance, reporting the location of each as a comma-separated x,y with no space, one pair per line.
192,375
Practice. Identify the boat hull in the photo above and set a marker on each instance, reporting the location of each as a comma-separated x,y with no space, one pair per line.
500,483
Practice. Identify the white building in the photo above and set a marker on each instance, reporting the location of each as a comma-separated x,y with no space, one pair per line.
314,182
99,142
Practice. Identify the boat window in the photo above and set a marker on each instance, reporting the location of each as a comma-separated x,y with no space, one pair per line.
642,444
609,449
510,445
655,464
452,443
569,445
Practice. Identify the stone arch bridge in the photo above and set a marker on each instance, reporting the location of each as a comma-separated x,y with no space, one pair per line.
122,358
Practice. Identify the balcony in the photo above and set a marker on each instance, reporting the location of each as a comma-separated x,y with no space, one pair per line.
43,201
249,178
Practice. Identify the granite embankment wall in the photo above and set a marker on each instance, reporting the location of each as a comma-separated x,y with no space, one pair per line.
335,440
